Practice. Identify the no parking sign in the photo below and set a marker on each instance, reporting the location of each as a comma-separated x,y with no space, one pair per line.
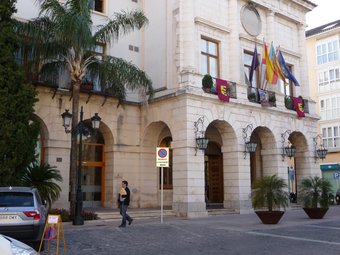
162,157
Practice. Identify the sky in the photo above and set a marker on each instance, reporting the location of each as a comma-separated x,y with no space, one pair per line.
326,11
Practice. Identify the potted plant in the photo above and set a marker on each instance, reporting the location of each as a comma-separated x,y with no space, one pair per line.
207,82
314,194
268,196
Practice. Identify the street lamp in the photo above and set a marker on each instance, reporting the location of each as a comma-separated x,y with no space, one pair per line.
288,150
249,146
201,140
81,130
319,150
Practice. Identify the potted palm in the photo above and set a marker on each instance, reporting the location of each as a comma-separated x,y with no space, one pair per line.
314,194
268,196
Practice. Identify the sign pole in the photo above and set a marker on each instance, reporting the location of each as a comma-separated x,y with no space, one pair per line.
162,160
162,175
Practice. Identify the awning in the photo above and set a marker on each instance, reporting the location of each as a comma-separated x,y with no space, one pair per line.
330,167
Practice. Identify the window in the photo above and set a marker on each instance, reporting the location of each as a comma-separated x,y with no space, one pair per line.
327,51
97,5
247,59
330,108
167,171
329,79
209,57
331,136
287,88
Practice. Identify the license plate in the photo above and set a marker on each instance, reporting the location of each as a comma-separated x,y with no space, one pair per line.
8,217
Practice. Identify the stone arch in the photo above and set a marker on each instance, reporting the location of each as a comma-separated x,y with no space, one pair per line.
43,138
265,159
109,182
302,156
149,194
224,136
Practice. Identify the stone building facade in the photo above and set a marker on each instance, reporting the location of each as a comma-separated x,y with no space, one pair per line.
324,79
174,49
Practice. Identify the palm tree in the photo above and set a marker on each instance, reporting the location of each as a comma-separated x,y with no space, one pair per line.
63,36
43,178
314,192
269,192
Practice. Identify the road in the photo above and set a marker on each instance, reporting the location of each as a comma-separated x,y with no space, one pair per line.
229,234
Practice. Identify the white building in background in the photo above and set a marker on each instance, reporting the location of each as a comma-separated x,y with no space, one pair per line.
324,80
186,39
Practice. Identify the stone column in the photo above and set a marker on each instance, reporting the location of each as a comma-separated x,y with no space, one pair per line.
235,52
187,42
188,181
236,175
303,77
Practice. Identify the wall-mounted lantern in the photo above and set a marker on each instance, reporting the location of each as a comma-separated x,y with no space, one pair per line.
288,149
201,140
319,150
249,147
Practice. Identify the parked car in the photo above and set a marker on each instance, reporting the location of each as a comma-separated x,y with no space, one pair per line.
22,214
10,246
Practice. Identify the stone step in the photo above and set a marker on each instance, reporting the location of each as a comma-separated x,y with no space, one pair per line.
215,212
114,215
145,214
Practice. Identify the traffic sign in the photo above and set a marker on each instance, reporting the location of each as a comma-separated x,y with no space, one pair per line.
336,175
162,157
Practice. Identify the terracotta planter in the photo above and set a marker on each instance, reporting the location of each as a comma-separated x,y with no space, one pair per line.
272,217
315,213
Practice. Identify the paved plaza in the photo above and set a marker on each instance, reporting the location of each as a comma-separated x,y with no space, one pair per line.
296,234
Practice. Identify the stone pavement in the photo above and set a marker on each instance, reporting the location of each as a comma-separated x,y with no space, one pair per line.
227,234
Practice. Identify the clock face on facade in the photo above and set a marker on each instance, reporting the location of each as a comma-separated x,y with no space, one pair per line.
251,20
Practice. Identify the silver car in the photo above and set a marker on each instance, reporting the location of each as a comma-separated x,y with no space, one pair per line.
22,214
10,246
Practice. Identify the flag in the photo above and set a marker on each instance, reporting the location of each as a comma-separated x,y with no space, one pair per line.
298,106
263,67
222,89
271,74
264,98
278,69
285,70
254,65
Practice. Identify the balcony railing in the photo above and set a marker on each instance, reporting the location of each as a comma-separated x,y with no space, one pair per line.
264,97
289,103
231,90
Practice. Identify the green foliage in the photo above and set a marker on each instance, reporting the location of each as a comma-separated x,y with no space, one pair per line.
43,177
67,217
18,134
269,192
207,81
64,37
314,192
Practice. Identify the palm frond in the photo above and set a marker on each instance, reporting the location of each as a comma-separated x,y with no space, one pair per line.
270,192
118,72
43,177
121,23
314,191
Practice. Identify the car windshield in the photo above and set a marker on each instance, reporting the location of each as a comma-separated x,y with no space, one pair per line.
17,199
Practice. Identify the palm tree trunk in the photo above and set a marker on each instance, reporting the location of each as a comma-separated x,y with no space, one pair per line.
74,146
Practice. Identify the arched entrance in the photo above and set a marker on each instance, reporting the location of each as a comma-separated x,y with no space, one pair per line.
93,170
213,175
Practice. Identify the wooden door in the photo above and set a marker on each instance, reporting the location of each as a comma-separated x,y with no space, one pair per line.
215,179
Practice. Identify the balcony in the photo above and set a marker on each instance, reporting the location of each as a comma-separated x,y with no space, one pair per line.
231,90
260,96
289,103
